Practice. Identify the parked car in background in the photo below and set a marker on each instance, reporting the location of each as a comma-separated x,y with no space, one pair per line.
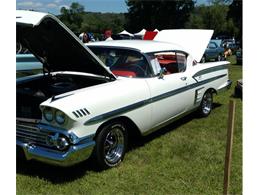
91,99
226,41
233,46
239,56
224,37
213,52
27,64
218,42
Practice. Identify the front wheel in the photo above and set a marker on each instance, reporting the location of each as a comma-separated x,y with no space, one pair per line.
206,104
111,145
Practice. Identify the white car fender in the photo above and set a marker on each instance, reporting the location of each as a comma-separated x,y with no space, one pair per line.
104,102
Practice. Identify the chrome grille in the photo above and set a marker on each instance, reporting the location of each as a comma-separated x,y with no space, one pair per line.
30,133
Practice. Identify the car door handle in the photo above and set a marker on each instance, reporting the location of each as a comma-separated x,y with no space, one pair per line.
183,78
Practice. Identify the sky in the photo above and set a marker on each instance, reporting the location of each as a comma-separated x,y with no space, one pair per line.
53,6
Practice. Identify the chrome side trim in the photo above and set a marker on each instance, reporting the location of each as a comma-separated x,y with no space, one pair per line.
137,105
198,96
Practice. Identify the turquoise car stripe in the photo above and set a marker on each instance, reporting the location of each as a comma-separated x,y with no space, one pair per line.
116,112
209,70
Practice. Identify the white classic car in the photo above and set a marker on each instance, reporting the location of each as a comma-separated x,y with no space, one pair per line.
83,105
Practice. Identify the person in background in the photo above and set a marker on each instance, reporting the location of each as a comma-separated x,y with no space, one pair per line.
84,37
227,51
107,35
91,37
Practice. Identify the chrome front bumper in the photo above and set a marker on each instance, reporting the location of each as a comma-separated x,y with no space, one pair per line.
78,151
74,155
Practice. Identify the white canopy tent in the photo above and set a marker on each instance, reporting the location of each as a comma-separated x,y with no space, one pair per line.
124,32
156,30
141,33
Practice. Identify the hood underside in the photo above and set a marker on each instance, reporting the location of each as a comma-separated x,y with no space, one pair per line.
55,45
195,41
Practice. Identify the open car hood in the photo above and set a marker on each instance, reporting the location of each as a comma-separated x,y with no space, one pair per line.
55,45
195,41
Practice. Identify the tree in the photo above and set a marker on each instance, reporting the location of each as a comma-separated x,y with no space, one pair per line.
160,14
213,17
99,22
72,16
235,13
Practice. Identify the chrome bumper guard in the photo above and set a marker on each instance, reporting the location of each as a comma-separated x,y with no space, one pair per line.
77,152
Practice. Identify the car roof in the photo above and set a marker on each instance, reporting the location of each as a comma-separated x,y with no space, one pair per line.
144,46
217,41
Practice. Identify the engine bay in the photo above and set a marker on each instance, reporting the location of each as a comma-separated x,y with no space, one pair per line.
31,92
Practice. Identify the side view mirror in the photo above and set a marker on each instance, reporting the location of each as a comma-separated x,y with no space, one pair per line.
163,71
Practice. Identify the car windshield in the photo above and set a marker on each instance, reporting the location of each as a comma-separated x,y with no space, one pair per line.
123,62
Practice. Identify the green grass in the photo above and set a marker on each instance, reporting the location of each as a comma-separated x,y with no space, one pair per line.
186,157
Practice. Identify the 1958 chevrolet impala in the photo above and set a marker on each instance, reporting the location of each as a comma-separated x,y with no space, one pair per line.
90,99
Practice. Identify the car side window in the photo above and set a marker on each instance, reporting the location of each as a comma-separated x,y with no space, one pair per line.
123,62
181,61
212,46
173,62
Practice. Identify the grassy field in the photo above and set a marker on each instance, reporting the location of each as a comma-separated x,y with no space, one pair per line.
186,157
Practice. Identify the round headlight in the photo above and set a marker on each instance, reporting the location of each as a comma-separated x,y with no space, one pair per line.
60,117
47,114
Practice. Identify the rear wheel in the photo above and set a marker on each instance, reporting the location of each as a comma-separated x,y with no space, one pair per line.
206,104
111,145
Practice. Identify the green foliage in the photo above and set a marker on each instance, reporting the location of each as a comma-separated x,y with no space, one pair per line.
223,16
99,22
72,16
161,14
235,13
213,17
79,21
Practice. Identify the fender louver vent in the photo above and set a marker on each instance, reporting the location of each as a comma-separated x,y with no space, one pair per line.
81,112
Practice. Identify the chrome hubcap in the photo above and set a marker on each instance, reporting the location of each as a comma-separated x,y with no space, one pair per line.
114,145
207,103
